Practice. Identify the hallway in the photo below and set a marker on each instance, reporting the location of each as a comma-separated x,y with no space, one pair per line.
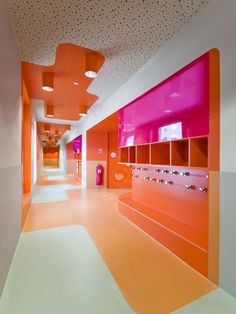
79,255
117,163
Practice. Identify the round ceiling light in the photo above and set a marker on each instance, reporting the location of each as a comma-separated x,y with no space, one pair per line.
91,74
50,111
47,128
91,65
82,110
47,82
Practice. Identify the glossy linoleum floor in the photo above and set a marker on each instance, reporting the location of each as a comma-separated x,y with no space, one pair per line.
79,255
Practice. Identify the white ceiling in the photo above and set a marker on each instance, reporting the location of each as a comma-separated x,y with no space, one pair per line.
127,32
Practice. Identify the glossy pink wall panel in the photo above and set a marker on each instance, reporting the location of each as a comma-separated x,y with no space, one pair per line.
175,108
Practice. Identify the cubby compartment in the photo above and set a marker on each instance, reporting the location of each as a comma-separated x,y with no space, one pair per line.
132,154
180,153
143,154
199,152
160,153
124,154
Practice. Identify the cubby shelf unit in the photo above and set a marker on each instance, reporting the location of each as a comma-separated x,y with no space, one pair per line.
190,152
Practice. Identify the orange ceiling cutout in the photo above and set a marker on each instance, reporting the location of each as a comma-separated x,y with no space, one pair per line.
54,129
69,67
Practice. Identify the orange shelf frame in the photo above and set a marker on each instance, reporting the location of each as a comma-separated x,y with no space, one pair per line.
199,152
160,153
132,154
180,153
143,154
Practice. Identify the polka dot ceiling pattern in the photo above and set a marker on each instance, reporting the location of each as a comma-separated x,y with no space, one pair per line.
127,32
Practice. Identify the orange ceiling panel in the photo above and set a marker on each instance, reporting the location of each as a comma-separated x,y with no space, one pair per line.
69,67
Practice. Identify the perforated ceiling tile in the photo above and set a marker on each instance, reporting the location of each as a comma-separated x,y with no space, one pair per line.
127,32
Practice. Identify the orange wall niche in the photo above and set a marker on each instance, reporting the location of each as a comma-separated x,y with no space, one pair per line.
175,199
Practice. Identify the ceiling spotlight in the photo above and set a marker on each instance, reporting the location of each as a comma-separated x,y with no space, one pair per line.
47,82
47,128
82,110
91,65
50,111
91,74
76,83
167,111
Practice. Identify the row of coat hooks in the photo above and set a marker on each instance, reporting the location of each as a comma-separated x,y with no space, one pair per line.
166,171
169,182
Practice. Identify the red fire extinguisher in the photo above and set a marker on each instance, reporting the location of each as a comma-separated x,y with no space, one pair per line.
99,174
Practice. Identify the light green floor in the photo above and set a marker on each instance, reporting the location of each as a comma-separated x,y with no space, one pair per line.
49,171
215,302
52,193
60,271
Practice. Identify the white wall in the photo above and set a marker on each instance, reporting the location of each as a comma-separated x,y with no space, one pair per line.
10,143
33,153
214,27
84,159
62,157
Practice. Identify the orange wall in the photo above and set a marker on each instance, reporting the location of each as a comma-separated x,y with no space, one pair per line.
100,145
48,155
97,145
114,168
51,158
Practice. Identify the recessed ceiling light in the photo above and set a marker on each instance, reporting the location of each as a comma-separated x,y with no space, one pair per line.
91,74
47,88
50,111
76,83
82,110
91,67
47,82
167,111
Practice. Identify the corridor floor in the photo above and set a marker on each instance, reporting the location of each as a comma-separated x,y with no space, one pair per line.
79,255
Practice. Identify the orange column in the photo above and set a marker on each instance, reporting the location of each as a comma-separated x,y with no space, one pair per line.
214,166
26,153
